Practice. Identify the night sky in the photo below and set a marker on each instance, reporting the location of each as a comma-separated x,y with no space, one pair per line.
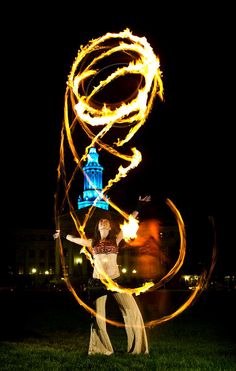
187,141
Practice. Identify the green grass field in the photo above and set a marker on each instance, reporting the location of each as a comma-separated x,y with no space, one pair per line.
50,331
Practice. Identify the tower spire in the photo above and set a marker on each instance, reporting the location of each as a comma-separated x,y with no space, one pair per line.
93,172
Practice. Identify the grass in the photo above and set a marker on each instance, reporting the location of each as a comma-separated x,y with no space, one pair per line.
47,332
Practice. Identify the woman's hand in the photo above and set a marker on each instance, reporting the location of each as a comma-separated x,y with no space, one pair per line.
56,234
139,206
145,198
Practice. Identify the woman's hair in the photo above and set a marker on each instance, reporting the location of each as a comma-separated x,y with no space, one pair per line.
111,235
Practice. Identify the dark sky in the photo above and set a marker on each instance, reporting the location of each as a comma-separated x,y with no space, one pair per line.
187,141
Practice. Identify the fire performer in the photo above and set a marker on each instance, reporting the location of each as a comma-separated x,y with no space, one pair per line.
105,247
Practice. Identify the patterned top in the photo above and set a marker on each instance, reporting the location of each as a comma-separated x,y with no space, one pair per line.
106,247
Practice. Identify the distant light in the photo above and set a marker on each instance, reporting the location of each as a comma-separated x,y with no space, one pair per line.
46,272
123,270
79,260
33,270
134,271
186,277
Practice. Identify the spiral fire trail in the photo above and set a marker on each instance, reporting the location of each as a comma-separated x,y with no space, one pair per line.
125,64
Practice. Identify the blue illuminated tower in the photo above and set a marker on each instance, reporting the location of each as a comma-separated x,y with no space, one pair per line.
93,172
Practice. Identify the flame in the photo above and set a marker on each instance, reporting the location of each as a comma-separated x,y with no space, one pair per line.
130,228
143,63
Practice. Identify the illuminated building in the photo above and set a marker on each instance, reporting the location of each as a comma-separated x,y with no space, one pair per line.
92,194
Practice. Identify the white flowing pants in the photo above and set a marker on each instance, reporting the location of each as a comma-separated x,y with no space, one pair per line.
136,334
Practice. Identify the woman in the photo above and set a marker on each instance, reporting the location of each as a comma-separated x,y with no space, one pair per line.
104,248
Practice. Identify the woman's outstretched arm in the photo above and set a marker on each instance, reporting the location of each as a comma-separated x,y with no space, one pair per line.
71,238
